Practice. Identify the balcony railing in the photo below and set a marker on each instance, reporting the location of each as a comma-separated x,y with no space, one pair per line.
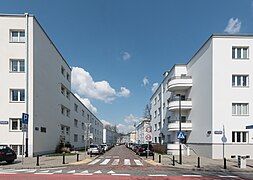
176,98
173,125
173,103
177,83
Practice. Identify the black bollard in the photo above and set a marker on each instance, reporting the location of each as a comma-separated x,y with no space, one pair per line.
146,154
159,159
225,163
38,160
153,156
173,161
90,154
198,162
77,157
63,158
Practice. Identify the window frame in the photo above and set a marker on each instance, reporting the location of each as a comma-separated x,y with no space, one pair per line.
240,137
235,52
239,111
19,38
19,96
19,124
238,80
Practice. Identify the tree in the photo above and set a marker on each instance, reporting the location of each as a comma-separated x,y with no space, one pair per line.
146,113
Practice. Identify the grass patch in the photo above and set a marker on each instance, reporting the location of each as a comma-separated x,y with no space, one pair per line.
61,154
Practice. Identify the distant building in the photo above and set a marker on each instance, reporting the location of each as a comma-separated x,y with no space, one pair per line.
133,137
123,139
140,130
214,92
36,79
109,135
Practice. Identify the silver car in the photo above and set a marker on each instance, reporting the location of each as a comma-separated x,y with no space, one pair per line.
94,149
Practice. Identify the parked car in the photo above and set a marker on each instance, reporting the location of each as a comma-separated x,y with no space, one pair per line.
136,147
95,149
7,154
105,147
142,150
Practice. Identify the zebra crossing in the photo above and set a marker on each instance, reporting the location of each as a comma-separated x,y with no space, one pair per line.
115,162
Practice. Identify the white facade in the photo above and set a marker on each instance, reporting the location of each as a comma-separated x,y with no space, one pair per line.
216,90
36,79
141,131
109,136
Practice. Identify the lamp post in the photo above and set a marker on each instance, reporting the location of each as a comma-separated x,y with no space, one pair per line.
87,125
180,128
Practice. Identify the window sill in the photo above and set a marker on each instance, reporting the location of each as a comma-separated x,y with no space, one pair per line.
18,42
240,87
15,131
17,72
240,59
16,101
241,115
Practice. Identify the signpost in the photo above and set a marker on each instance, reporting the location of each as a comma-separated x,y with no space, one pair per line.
25,117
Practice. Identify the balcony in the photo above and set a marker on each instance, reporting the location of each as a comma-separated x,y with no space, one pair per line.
173,104
186,125
179,83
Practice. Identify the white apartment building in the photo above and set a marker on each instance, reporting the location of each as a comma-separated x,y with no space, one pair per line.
36,79
109,136
141,131
216,91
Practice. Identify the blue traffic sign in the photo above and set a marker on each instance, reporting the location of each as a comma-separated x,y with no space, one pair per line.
25,118
180,135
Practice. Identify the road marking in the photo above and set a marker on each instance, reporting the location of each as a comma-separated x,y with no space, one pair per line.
157,175
94,162
191,175
115,162
31,171
108,156
120,174
85,172
20,170
228,176
71,172
110,172
138,162
56,172
97,172
44,171
115,157
7,173
127,162
105,162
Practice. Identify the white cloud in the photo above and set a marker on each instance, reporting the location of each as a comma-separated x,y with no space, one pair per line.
145,81
131,119
122,128
234,26
84,85
126,56
87,103
154,87
106,122
128,124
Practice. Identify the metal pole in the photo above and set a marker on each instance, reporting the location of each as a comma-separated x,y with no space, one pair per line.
225,163
27,81
198,162
180,128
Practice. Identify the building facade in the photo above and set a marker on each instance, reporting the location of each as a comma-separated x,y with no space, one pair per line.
212,96
141,130
109,136
36,80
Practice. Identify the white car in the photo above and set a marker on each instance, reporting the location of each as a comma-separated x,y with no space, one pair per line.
105,147
94,149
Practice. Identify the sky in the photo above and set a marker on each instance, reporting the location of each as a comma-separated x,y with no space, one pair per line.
119,49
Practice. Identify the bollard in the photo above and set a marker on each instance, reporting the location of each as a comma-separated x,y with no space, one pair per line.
38,160
159,159
225,163
146,154
198,162
153,156
90,154
173,161
63,158
77,157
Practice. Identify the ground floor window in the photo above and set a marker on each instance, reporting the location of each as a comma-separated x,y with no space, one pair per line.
239,137
17,148
15,124
75,138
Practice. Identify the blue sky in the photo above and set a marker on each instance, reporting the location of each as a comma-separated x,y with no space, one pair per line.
114,46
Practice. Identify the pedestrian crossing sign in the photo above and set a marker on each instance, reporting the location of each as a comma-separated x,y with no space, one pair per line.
180,135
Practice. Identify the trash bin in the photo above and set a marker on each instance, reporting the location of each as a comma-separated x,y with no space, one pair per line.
242,161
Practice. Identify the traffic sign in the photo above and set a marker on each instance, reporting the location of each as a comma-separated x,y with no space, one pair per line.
25,122
148,137
180,135
148,129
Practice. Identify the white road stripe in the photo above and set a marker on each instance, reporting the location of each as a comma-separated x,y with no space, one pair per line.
94,162
83,174
228,176
43,173
138,162
98,172
71,172
115,162
191,175
7,173
120,174
105,162
31,171
127,162
55,172
20,170
157,175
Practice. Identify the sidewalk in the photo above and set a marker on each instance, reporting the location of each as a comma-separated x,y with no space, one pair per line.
206,164
48,162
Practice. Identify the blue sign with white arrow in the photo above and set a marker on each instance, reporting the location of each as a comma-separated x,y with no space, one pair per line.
180,135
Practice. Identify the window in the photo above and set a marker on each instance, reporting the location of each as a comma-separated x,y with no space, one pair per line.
75,138
17,36
67,130
159,97
63,71
240,52
75,122
67,94
240,109
159,126
155,139
83,113
155,101
17,95
17,65
68,77
62,89
159,111
155,127
239,137
62,110
68,112
82,138
62,130
76,107
82,125
15,124
43,129
240,80
155,114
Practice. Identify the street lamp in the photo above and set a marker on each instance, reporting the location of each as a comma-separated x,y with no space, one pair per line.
180,128
87,125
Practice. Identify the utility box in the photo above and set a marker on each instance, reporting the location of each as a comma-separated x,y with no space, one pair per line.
242,161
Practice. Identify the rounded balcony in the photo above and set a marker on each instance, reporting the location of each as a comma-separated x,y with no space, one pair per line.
179,83
174,105
185,125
